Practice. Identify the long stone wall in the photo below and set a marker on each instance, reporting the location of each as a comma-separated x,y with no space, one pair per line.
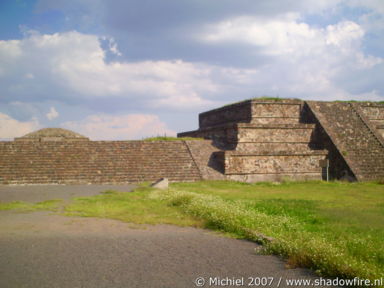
255,140
64,162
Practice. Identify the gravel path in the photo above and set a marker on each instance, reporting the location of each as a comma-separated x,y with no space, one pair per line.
41,249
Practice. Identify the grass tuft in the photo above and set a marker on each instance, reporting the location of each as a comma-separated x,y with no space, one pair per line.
134,207
19,206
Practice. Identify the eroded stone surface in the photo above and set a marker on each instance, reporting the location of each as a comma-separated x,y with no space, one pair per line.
351,133
52,134
270,136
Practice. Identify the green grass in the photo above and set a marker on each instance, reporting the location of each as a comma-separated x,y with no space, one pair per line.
19,206
358,101
166,138
134,207
334,228
263,98
268,98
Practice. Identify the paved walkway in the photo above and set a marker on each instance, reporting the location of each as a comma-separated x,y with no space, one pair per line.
37,193
41,249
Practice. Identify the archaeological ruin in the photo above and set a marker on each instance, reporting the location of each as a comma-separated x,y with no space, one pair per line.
254,140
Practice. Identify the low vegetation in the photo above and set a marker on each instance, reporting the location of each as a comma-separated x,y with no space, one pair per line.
50,205
334,228
166,138
276,99
134,207
358,101
262,98
337,229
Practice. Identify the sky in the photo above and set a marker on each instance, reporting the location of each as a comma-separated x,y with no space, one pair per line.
130,69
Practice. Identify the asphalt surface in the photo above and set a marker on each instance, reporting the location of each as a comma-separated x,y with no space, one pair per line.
41,249
38,193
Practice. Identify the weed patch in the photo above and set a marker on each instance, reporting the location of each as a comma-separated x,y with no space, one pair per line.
318,225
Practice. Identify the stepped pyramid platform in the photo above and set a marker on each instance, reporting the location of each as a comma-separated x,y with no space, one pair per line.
263,140
254,140
269,140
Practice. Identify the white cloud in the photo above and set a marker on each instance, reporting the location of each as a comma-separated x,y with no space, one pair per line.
278,36
11,128
299,60
285,35
123,127
52,114
72,63
305,60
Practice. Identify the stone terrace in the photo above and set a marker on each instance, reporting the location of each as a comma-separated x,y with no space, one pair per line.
263,140
254,140
56,159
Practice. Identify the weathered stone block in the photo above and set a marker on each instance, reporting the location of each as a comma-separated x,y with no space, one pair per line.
270,133
373,112
275,110
162,183
272,164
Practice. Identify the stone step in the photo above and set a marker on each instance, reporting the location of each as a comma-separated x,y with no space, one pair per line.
255,110
275,146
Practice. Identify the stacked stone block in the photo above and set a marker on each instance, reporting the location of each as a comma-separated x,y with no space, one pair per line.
254,140
263,140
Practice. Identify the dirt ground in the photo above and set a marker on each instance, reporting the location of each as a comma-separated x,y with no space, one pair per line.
41,249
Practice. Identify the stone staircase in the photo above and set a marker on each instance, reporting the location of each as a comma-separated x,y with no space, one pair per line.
205,155
64,162
352,135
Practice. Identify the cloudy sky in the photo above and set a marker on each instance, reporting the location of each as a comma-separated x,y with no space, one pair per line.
128,69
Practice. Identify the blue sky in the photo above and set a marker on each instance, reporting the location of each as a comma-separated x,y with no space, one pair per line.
128,69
